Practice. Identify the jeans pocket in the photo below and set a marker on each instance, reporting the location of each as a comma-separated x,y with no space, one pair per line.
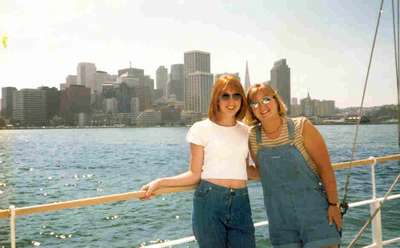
202,192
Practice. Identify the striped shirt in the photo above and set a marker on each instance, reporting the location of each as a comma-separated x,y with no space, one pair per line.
283,138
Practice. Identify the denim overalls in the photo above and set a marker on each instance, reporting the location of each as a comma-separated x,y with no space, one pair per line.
222,217
294,197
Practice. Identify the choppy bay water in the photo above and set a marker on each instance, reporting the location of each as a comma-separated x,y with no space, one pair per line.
42,166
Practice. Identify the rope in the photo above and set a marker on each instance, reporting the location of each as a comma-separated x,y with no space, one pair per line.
398,70
357,237
344,203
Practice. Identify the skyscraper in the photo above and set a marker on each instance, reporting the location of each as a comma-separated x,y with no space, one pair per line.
30,107
161,79
280,80
201,85
52,103
197,73
86,75
7,101
247,79
176,81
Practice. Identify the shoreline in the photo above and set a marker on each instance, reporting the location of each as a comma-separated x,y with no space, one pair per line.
169,126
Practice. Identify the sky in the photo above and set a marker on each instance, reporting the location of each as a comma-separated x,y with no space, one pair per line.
326,44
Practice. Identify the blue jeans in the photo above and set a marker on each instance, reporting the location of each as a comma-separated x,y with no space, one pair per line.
222,217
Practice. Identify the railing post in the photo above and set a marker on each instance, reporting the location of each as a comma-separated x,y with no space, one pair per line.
12,226
376,222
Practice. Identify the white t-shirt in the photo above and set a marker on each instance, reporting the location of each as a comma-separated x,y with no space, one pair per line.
225,149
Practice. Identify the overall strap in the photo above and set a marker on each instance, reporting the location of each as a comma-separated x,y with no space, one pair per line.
258,134
291,129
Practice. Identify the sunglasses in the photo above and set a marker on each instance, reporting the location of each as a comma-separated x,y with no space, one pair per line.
227,96
265,100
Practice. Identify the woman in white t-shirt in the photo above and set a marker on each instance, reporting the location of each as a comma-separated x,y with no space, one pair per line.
219,150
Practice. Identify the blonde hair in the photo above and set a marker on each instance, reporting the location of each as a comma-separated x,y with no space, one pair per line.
251,119
221,84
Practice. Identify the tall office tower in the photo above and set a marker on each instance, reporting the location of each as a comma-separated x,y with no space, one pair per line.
197,63
327,108
176,81
201,85
307,106
280,80
71,80
30,107
74,100
144,88
161,79
247,79
52,101
7,94
86,75
102,78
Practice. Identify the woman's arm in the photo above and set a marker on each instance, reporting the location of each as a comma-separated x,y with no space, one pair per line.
190,177
252,171
316,148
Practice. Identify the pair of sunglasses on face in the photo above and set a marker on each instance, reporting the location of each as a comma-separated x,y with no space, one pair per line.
263,101
227,96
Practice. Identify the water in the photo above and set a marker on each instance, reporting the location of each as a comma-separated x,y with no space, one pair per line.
42,166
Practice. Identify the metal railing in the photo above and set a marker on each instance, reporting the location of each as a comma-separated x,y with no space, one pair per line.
374,202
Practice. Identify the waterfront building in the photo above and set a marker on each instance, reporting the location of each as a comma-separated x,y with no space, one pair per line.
7,94
71,80
74,100
295,110
129,79
125,119
110,105
201,84
327,108
149,117
294,101
194,62
29,107
102,78
176,82
123,94
280,80
83,119
63,86
307,106
143,86
170,115
135,105
148,82
86,75
190,117
52,101
144,94
109,90
162,79
314,107
157,94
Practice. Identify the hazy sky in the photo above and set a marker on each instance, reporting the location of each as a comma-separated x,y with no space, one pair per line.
326,43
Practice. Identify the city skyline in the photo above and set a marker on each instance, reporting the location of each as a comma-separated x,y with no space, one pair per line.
326,44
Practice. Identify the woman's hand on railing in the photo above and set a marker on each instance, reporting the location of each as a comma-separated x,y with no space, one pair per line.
150,188
334,216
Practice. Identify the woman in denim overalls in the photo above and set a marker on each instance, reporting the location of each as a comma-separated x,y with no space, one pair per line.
219,150
301,204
